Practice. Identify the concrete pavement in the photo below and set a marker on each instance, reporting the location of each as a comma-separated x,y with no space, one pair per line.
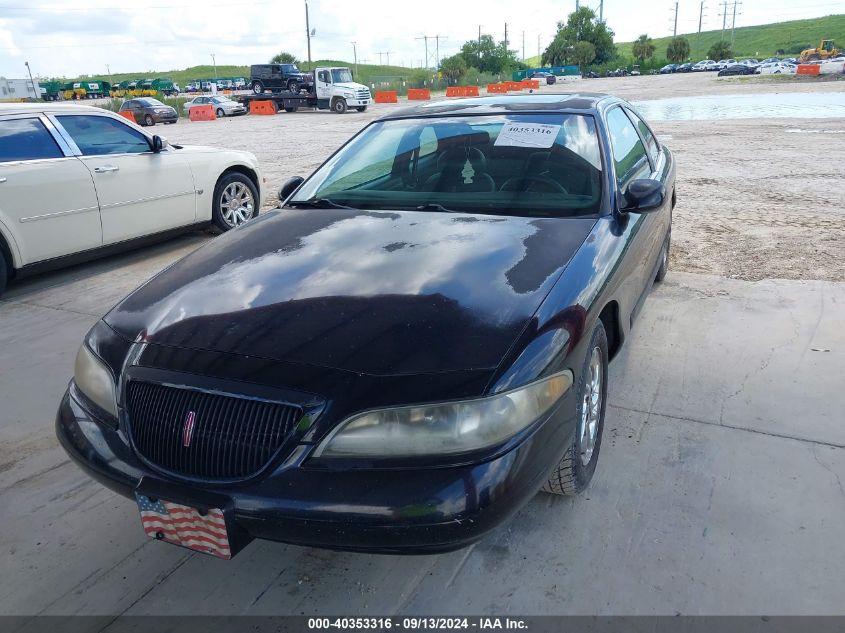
720,488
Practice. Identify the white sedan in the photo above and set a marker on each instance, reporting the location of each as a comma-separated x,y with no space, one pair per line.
223,106
76,181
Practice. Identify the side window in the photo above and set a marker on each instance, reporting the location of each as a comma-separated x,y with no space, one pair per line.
428,141
323,76
26,139
628,152
651,143
99,135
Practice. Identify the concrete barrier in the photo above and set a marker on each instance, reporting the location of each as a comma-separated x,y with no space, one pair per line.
808,69
419,94
128,114
386,96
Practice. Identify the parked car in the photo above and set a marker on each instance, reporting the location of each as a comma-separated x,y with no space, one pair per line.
635,70
223,106
703,65
668,69
115,185
775,68
684,68
276,77
413,345
548,78
737,69
724,63
148,111
591,75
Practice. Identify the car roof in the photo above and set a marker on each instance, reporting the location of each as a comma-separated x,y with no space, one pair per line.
30,108
499,104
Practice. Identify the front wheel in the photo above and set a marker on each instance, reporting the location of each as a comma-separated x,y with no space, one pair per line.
4,274
339,105
293,86
361,108
149,121
578,463
220,113
235,201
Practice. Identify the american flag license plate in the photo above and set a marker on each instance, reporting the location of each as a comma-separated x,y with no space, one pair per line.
201,531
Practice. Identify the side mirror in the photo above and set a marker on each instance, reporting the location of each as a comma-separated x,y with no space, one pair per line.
291,185
159,143
643,195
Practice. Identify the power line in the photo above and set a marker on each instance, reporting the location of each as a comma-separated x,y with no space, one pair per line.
161,6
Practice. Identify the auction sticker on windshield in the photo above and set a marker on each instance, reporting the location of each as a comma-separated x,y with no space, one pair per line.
515,134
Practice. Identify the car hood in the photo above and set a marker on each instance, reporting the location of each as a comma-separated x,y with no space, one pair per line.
375,293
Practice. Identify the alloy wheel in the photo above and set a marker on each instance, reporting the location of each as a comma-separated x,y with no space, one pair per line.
591,408
236,204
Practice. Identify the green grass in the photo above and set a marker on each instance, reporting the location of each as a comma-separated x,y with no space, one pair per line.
759,41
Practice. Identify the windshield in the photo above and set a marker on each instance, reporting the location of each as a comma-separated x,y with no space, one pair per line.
341,76
538,165
151,102
221,99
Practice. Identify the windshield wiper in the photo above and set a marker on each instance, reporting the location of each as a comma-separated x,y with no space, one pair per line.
433,206
320,203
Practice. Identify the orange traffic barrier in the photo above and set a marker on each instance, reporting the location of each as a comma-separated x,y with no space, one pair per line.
496,88
513,85
262,107
419,94
462,91
128,114
202,113
808,69
531,84
387,96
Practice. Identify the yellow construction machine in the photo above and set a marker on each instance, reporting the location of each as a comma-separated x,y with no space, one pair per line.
826,50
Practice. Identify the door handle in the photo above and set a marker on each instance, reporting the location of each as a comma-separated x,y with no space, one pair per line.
106,169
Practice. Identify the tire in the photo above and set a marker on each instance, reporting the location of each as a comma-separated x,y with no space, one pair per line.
257,87
4,274
339,105
290,109
572,475
149,121
220,113
361,108
231,187
294,87
664,260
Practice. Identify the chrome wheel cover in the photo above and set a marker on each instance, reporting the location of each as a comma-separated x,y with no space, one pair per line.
591,408
236,204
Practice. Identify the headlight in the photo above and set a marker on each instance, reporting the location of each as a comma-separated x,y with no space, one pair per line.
94,379
447,428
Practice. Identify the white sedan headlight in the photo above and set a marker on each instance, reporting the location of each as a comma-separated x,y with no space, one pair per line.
94,379
447,428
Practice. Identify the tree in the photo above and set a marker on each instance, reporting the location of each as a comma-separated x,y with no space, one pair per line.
580,26
284,58
453,68
643,48
678,50
583,53
720,50
488,56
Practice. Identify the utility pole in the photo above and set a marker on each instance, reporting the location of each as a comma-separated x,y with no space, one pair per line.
425,39
700,18
308,34
539,54
733,23
523,46
32,81
506,37
601,11
355,55
214,61
724,17
675,29
479,41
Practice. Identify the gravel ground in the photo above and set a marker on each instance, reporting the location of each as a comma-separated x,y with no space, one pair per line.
757,198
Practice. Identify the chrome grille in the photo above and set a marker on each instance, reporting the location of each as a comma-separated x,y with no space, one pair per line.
230,438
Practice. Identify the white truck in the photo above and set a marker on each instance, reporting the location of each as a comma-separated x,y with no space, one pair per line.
332,88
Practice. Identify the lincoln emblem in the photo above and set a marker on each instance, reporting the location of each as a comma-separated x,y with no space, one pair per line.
188,428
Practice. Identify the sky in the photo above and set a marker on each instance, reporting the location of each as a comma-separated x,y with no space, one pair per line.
75,37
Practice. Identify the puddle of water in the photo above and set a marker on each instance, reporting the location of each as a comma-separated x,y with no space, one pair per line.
758,106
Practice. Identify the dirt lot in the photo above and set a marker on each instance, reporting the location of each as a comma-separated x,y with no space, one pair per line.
758,198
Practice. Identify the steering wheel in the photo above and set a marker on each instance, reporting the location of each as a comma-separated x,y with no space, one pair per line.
547,185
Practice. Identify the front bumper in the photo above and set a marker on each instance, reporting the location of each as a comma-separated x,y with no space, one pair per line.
400,510
165,117
355,102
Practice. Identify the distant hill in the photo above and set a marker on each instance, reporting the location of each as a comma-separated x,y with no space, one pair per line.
762,41
759,41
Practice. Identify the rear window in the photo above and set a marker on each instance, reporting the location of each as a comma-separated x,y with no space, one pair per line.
26,139
538,165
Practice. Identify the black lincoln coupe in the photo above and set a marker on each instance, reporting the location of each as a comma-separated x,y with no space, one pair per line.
400,356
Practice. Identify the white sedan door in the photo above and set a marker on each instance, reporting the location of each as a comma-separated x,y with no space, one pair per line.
48,206
140,192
